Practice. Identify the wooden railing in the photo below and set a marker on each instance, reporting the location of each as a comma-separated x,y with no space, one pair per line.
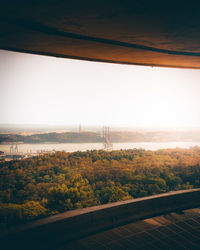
54,231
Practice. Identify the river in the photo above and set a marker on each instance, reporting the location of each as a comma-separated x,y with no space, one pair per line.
72,147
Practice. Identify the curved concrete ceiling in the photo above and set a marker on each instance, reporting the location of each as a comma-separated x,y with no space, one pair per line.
155,33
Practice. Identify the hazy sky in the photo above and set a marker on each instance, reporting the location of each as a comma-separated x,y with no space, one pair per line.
46,90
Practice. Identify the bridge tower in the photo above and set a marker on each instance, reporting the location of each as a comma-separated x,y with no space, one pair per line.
13,149
106,136
16,148
80,128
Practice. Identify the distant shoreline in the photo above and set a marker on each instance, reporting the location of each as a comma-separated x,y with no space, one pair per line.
121,142
95,137
73,147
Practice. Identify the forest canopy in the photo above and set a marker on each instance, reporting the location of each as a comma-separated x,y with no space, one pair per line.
52,183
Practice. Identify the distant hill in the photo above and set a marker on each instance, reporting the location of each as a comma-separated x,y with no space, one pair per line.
91,137
67,137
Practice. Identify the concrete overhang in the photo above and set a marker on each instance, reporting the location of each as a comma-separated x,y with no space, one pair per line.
153,33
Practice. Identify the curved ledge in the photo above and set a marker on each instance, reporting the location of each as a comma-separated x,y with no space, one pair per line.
31,25
91,59
55,231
